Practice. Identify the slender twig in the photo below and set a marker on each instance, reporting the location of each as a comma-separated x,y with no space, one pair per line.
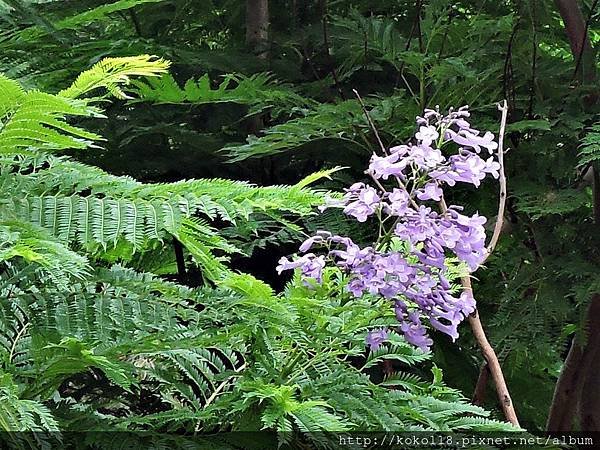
474,321
533,61
14,344
217,391
507,74
383,149
330,60
411,35
502,180
414,96
371,124
376,181
419,31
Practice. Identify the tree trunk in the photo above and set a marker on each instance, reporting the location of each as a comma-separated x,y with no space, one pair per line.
257,27
578,387
589,402
576,28
564,401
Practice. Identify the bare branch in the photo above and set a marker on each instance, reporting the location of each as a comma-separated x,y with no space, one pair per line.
492,362
489,354
371,124
502,180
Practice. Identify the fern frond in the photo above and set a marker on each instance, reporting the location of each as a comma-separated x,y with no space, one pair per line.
258,91
325,121
34,245
34,120
590,146
20,415
98,13
398,350
113,73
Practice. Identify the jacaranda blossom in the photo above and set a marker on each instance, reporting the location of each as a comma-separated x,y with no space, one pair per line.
414,279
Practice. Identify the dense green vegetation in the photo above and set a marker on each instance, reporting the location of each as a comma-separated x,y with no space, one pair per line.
146,200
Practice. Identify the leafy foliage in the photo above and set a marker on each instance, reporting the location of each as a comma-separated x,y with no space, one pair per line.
590,146
257,91
86,344
223,114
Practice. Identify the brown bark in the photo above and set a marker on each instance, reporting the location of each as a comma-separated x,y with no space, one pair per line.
257,40
257,27
581,48
589,403
492,361
578,387
481,386
492,365
564,400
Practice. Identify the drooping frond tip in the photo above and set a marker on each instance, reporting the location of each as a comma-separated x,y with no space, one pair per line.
114,73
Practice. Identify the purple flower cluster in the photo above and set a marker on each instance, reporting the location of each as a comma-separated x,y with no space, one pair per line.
415,278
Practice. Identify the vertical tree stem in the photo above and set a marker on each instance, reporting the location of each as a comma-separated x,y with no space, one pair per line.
257,27
576,374
492,361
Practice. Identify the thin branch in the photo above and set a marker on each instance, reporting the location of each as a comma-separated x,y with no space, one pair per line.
375,180
489,354
330,59
14,344
446,31
411,35
533,61
502,180
217,391
371,124
507,74
383,149
419,31
492,361
492,364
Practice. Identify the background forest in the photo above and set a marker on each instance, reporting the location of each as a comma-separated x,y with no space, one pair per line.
146,201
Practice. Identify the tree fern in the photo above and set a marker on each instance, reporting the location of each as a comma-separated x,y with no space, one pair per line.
122,213
344,121
98,13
